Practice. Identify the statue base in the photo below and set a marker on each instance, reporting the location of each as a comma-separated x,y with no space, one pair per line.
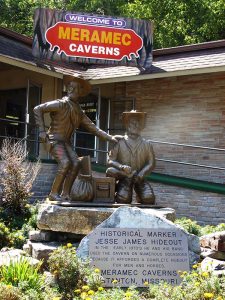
82,218
101,204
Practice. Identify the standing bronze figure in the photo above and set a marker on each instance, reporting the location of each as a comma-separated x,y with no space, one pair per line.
131,159
66,116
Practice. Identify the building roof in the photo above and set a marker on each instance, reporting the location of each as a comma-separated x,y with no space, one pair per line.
16,49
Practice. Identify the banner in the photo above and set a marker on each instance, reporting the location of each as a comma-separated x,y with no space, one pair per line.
73,37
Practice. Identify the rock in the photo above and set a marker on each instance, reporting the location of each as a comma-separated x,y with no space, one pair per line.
217,267
133,217
41,251
207,252
82,220
50,279
41,236
193,258
193,243
15,255
28,248
215,241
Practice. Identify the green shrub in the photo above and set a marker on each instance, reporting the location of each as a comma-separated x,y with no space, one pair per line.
19,235
189,225
192,227
70,271
9,292
94,279
14,230
46,294
17,239
21,273
108,294
4,235
196,285
211,228
32,221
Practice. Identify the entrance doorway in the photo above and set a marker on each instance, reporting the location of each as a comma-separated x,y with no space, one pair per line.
16,116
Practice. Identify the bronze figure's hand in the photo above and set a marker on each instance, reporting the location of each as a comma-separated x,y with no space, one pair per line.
118,137
138,178
114,139
126,169
43,136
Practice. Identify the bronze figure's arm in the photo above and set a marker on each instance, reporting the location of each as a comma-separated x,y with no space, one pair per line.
147,169
112,163
39,112
92,128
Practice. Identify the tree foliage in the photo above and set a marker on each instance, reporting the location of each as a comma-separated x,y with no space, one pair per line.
176,22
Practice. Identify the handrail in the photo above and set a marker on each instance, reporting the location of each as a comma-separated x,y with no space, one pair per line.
189,183
187,145
17,121
186,163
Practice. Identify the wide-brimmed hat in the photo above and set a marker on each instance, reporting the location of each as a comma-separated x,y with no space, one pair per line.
85,86
127,115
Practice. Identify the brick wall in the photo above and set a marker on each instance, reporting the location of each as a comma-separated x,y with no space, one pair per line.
185,110
206,208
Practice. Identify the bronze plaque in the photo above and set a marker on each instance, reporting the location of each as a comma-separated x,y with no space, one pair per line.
135,256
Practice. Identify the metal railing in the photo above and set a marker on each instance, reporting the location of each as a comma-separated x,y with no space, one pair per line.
190,146
105,151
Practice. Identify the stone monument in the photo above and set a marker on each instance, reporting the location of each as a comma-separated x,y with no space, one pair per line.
133,247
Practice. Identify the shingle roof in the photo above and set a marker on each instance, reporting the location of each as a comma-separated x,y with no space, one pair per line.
193,57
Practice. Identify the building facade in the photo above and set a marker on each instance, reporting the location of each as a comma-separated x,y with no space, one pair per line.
182,93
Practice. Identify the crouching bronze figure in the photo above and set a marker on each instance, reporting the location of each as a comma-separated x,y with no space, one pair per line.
130,160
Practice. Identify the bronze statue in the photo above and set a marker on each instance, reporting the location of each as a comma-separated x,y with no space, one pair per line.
130,160
66,116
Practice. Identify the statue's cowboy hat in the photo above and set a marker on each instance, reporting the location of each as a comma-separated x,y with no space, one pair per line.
128,115
84,85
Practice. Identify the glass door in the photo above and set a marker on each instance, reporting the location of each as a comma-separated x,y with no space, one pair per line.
31,132
85,142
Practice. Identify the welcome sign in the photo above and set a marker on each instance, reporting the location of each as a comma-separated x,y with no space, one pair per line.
73,37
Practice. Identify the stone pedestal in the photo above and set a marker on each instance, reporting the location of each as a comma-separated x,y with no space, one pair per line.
60,223
82,220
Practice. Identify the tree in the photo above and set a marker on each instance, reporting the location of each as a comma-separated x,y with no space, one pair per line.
180,22
176,22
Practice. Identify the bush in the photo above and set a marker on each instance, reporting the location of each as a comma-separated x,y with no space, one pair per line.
17,178
94,279
196,285
192,227
211,229
17,239
19,235
21,274
9,292
189,225
109,294
46,294
4,235
70,271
